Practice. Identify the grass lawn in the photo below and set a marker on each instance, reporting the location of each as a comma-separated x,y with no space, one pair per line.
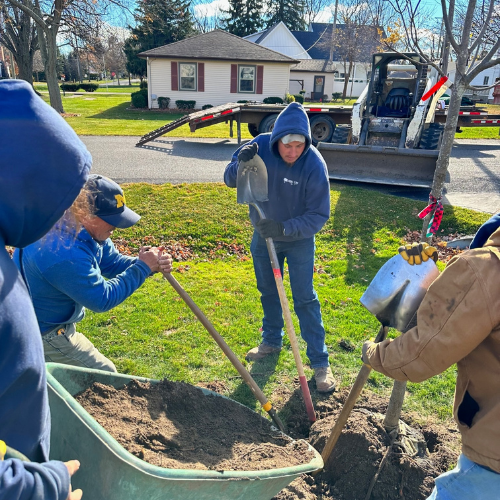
154,334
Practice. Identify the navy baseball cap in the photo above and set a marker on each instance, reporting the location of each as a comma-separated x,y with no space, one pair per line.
109,202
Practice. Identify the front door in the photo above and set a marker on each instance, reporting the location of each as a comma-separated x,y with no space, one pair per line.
319,87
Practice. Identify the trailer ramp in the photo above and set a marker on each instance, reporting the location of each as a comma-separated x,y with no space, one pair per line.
380,164
197,119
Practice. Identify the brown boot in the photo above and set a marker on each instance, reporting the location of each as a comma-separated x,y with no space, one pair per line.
261,351
324,379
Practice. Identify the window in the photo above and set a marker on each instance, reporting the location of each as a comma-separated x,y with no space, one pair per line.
246,79
187,76
486,80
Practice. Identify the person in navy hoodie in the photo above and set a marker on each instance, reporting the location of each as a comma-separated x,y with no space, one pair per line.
43,166
298,207
485,231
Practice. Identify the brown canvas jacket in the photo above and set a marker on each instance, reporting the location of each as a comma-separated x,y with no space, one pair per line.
458,322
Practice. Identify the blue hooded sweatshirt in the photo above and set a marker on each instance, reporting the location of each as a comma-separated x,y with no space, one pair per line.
43,166
485,231
299,196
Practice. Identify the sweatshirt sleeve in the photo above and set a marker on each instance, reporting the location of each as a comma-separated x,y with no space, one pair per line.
83,282
452,320
32,481
113,262
230,174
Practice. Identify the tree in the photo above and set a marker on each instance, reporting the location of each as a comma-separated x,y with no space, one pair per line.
244,17
18,34
465,35
290,12
158,22
312,8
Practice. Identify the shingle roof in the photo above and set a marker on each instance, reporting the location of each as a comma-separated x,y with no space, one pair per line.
218,44
315,65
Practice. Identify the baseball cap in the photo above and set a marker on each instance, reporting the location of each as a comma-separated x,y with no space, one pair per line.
109,202
292,138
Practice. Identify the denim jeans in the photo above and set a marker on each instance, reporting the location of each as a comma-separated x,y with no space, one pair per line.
300,258
467,481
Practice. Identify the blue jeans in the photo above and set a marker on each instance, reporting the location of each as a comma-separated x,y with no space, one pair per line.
300,258
467,481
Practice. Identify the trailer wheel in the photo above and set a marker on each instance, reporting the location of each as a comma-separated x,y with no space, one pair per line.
341,134
431,137
253,129
267,124
322,127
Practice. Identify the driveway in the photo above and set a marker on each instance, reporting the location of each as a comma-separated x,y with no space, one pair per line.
474,172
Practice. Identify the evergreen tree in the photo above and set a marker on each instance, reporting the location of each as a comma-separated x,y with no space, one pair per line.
244,17
291,12
158,22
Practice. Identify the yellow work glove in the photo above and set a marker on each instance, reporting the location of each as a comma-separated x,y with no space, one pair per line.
3,450
418,253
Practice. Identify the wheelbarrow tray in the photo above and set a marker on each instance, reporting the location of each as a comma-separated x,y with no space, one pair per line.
109,472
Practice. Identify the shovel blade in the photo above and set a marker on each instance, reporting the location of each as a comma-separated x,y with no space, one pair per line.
251,181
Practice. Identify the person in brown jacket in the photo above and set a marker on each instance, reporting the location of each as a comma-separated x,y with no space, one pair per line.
458,322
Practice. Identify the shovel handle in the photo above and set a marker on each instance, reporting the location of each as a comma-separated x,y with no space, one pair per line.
290,329
226,349
356,389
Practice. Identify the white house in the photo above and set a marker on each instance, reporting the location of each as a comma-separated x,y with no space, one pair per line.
486,78
216,68
315,73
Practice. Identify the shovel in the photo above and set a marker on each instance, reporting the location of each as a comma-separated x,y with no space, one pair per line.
251,185
393,296
227,351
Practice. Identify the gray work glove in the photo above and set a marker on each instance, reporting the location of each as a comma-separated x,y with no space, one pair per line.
269,228
248,152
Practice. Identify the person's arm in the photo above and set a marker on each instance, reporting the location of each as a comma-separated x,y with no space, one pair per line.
231,172
485,231
32,481
317,209
113,262
454,317
82,281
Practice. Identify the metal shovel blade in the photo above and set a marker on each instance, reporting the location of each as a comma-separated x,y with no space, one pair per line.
251,181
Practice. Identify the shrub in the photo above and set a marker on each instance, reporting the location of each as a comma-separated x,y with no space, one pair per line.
289,98
336,96
299,98
89,87
181,104
206,106
302,92
243,101
163,102
70,87
143,84
140,98
273,100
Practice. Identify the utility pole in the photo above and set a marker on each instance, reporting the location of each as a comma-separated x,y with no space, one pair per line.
334,29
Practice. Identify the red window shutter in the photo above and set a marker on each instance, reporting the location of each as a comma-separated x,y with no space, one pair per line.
234,78
260,79
174,76
201,77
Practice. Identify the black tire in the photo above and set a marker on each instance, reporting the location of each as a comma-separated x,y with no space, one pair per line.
431,137
322,127
267,124
253,129
341,134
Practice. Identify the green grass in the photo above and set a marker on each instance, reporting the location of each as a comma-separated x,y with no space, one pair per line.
154,334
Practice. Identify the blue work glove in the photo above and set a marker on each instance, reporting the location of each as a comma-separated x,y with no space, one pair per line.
269,228
248,152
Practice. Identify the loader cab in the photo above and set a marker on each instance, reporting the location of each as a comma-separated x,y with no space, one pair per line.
396,86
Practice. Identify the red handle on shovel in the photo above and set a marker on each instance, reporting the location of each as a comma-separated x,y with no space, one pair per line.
290,329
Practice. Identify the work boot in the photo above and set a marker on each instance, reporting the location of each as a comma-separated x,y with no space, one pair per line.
324,379
261,351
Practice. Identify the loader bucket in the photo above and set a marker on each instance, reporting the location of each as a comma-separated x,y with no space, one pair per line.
380,164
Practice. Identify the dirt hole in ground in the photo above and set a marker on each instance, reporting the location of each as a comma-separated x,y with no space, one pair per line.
173,425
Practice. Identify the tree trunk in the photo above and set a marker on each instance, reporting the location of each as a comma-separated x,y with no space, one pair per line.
25,66
48,49
393,412
346,80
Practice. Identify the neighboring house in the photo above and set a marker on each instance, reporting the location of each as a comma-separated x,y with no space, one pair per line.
486,78
216,68
316,73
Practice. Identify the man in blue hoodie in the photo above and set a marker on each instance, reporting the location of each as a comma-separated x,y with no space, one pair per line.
66,272
43,166
298,207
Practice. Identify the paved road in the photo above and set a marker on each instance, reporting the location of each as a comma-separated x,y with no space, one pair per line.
474,173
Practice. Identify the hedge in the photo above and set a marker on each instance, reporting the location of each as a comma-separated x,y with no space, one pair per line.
163,102
181,104
140,98
273,100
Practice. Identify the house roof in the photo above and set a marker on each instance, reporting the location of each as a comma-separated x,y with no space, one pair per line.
315,65
218,44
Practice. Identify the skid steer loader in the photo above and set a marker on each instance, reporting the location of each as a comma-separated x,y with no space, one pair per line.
392,138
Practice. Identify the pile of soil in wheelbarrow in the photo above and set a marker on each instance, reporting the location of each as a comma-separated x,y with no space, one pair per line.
175,425
357,457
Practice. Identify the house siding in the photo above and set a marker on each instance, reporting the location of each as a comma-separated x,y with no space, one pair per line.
281,40
217,83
